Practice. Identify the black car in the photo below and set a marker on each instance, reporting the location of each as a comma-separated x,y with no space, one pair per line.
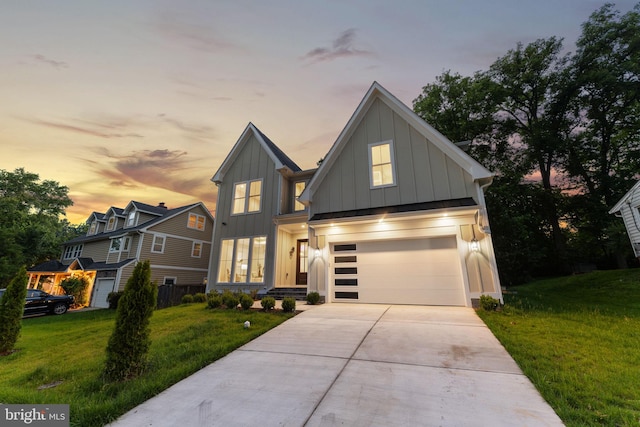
39,302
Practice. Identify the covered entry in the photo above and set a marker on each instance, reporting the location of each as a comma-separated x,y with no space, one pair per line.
409,271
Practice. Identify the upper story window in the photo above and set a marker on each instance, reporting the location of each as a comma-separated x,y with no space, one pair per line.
299,188
196,221
381,164
72,251
246,197
131,219
158,243
196,249
111,224
93,227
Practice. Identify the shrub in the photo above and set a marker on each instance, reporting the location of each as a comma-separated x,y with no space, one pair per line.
214,300
200,297
268,303
229,299
288,304
113,299
129,343
488,303
313,298
246,302
11,308
76,286
186,299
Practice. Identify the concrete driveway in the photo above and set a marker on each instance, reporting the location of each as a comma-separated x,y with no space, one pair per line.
358,365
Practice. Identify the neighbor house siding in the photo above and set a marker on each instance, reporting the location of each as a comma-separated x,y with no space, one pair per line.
96,250
631,218
347,185
183,277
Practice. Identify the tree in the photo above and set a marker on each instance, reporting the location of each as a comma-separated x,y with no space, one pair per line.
129,343
11,309
32,228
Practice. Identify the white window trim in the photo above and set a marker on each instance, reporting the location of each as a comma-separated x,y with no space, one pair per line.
132,220
72,252
197,216
393,164
111,225
175,280
93,228
246,196
249,262
125,246
295,198
153,243
193,247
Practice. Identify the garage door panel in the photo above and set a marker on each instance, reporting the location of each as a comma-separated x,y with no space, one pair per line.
417,271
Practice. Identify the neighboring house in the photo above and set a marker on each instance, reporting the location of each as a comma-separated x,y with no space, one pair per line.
628,208
176,241
394,214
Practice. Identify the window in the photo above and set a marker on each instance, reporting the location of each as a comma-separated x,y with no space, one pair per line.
257,259
381,164
72,251
158,244
115,245
196,221
111,224
93,227
121,244
246,201
169,281
127,244
242,260
196,249
300,186
131,219
226,260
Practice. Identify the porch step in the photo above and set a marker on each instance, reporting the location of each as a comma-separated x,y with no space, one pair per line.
299,294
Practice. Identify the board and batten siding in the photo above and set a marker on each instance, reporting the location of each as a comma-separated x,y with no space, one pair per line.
423,172
251,163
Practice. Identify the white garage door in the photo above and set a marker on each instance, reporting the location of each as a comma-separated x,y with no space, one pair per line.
416,271
102,289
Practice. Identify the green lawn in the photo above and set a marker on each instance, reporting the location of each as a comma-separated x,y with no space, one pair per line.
70,349
578,340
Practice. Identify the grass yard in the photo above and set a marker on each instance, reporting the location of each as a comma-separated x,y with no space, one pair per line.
578,339
69,351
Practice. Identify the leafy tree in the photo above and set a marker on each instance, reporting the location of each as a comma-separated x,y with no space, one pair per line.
76,286
32,228
11,309
129,343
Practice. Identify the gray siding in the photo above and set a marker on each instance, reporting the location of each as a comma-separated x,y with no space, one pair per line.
423,172
96,250
251,163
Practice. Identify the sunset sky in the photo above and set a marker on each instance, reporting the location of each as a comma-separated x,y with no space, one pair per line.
142,99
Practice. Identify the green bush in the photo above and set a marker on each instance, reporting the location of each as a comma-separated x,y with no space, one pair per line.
11,308
113,299
214,300
488,303
129,343
230,300
76,286
200,297
288,304
186,299
268,303
246,302
313,298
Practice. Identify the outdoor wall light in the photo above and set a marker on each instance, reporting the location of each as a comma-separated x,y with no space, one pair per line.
474,245
317,253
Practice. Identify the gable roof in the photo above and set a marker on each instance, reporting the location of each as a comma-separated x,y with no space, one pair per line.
166,214
281,160
144,207
376,91
626,198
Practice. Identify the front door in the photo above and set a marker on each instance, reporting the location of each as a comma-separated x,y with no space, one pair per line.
302,261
